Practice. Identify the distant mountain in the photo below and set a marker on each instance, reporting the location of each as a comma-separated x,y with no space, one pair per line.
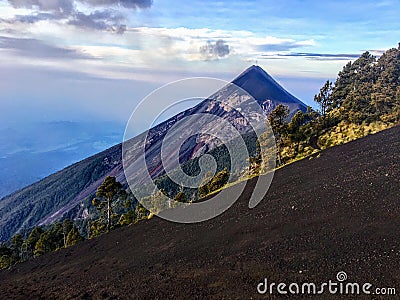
60,193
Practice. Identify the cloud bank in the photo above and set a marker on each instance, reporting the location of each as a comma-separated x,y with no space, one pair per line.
34,48
102,15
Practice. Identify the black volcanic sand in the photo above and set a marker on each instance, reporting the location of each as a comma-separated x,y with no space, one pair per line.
338,212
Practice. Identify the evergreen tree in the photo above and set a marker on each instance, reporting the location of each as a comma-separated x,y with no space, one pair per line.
204,188
55,235
180,197
67,226
5,256
279,124
16,246
386,90
73,237
255,160
353,89
296,134
97,227
5,250
218,181
45,244
368,89
5,261
158,202
108,193
141,212
40,248
324,98
343,85
30,243
127,218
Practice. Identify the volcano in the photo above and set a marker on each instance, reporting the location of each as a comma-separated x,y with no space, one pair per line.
63,193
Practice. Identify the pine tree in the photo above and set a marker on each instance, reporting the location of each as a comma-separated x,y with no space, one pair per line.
218,181
180,197
16,246
324,98
159,201
108,193
343,85
40,248
141,212
296,135
5,256
127,218
45,244
355,89
385,91
73,237
279,124
30,243
67,226
5,260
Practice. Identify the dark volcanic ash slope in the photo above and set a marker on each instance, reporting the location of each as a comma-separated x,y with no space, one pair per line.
49,199
338,212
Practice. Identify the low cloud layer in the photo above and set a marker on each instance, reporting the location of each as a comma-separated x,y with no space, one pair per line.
34,48
283,46
217,50
322,56
125,3
104,16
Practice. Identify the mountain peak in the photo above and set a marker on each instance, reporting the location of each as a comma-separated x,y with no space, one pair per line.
254,69
259,84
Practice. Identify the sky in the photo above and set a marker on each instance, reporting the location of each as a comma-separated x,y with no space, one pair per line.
94,60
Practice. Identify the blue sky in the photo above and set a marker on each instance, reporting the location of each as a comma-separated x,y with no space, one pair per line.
72,71
96,59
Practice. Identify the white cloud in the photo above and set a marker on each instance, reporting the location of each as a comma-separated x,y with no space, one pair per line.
152,48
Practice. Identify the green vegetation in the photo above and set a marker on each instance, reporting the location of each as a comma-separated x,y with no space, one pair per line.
108,193
278,121
364,99
115,208
39,241
214,183
73,237
181,197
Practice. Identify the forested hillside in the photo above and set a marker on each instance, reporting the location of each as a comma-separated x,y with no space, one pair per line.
364,99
